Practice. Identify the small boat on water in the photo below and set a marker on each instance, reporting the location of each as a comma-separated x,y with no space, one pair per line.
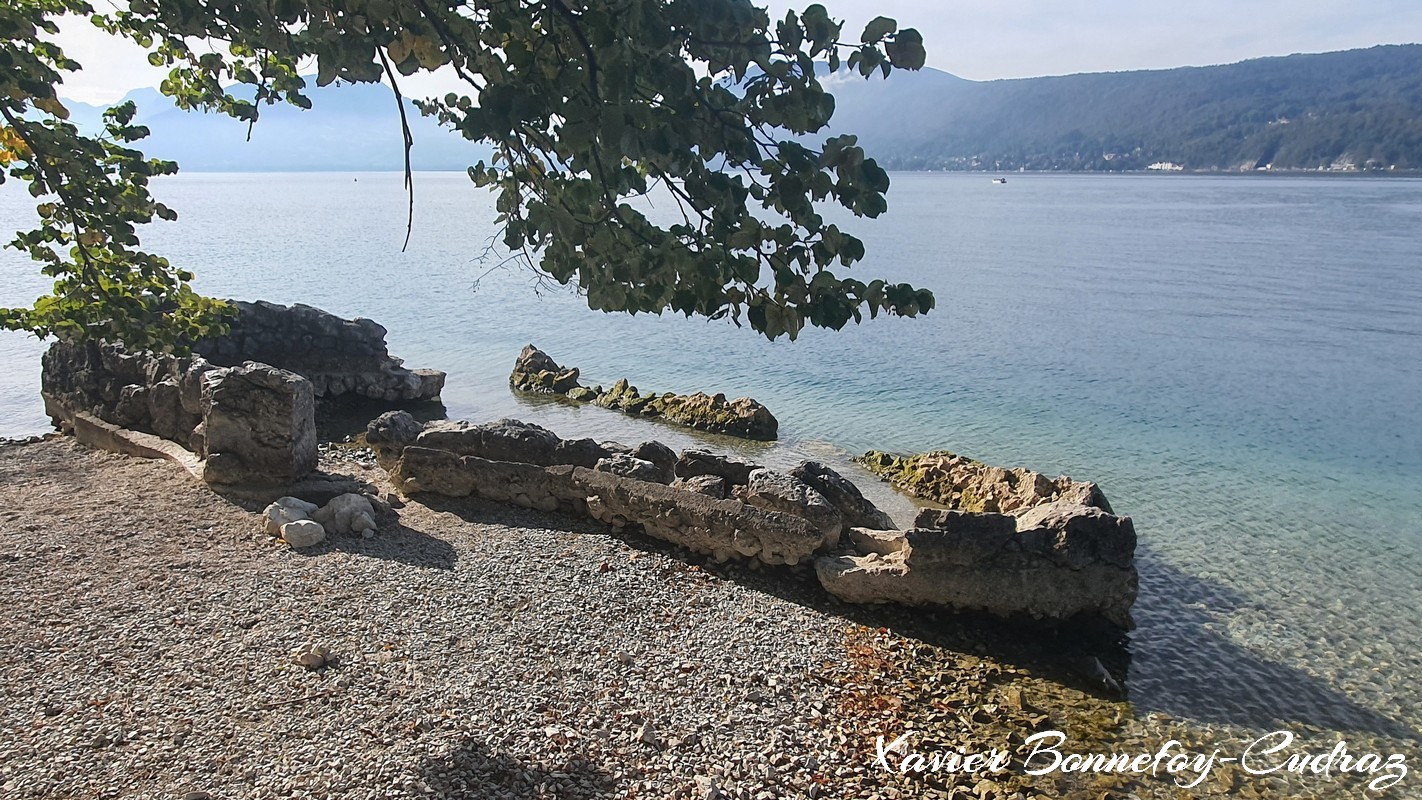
999,180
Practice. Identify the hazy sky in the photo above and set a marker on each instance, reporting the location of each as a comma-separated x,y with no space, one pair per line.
985,39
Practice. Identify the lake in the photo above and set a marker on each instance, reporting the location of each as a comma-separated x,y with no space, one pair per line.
1236,360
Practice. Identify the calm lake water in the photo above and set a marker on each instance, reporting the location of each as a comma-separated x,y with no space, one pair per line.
1236,360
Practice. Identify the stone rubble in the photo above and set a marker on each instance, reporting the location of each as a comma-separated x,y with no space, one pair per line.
284,510
303,533
349,514
303,524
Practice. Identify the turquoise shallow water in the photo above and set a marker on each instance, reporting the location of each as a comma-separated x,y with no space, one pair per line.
1238,361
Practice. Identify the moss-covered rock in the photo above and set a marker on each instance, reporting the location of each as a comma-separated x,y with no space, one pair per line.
535,371
742,417
965,484
618,396
582,394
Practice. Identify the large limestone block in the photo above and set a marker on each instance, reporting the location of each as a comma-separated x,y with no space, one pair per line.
423,469
629,467
700,462
660,455
260,425
856,510
1082,535
428,469
722,528
776,491
510,440
709,485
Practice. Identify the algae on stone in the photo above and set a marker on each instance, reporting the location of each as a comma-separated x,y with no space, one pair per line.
962,483
535,371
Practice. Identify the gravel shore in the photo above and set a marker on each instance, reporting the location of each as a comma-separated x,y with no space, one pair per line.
477,650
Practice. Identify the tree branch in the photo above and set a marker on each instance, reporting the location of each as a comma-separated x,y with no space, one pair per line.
409,143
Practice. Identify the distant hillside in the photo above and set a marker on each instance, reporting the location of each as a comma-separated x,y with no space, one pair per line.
353,127
1353,109
1359,109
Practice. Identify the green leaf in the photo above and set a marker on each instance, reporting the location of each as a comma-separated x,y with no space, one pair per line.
326,70
878,28
906,50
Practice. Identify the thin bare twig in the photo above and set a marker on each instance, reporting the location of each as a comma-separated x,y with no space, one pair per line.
409,143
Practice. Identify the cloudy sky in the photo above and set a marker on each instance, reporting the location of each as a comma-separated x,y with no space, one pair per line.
986,39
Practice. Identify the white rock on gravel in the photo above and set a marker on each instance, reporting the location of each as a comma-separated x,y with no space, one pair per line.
303,533
284,510
347,514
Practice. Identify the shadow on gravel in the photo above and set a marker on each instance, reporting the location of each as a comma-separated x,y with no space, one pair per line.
394,542
473,770
487,512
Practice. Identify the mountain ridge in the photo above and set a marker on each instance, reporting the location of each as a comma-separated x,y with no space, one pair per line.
1350,110
351,127
1305,111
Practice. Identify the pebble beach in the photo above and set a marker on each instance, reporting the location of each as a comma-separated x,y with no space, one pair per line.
482,651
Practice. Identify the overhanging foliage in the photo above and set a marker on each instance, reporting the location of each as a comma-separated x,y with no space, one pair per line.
588,104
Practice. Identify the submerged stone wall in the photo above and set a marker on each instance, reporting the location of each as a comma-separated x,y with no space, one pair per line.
535,371
965,484
343,359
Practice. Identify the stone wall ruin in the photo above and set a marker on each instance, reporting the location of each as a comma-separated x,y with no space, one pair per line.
343,359
243,419
1058,560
